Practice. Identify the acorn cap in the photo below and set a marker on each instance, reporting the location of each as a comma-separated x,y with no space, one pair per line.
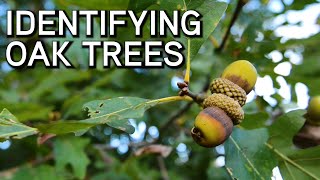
212,127
227,104
242,73
226,87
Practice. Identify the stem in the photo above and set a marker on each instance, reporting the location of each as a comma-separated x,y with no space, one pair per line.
198,98
170,99
185,91
240,4
290,161
187,75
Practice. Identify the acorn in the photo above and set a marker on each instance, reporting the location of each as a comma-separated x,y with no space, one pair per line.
223,109
242,73
313,111
212,127
226,87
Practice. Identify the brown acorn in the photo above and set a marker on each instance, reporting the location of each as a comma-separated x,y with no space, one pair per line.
212,127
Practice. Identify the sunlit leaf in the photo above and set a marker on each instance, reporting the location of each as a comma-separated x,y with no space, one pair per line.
94,4
247,157
211,12
11,127
116,111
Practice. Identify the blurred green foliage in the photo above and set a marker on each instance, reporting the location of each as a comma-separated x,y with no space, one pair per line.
40,96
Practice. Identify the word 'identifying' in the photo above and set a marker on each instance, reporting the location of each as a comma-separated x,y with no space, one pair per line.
48,24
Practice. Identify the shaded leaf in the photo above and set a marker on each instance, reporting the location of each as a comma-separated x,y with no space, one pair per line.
57,78
70,150
11,127
63,127
22,111
254,121
139,6
247,157
37,173
290,123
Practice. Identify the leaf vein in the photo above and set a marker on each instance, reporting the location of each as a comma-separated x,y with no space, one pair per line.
246,158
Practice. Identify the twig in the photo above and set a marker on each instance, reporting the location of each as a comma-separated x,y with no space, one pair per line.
42,160
162,167
185,91
103,154
240,4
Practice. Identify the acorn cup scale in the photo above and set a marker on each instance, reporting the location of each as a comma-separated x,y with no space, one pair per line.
212,127
226,87
227,104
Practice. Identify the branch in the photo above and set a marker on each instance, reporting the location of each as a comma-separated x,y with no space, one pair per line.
162,167
103,154
235,16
